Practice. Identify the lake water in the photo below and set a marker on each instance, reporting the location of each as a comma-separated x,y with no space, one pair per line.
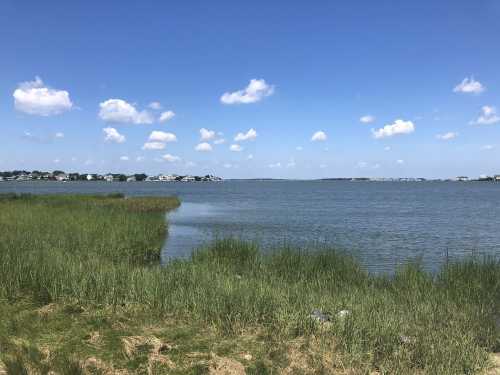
384,223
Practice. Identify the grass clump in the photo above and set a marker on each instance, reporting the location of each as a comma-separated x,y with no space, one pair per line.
81,288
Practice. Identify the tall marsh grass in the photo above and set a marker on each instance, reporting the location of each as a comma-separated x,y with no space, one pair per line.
104,250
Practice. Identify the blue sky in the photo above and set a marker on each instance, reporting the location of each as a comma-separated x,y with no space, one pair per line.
78,79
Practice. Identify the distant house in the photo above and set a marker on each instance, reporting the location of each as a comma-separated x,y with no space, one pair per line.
23,177
188,179
131,179
462,178
108,178
496,178
167,177
90,177
62,177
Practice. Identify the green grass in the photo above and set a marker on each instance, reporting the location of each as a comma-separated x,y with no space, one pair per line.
92,262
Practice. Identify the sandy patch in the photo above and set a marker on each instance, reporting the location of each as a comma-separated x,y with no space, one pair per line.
225,366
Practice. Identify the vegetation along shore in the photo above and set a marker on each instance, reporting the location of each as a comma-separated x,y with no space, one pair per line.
82,291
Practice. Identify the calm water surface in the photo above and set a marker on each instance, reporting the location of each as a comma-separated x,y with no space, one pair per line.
384,224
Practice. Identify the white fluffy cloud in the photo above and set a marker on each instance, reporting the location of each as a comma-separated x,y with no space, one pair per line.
275,165
219,141
236,148
112,135
256,90
400,161
206,134
488,116
35,98
319,136
167,115
203,147
155,105
447,136
124,158
153,146
119,111
367,119
159,136
469,86
59,135
248,136
170,158
399,127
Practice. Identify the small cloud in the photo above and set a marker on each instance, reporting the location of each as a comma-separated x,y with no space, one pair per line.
447,136
323,166
256,90
376,166
35,98
250,157
400,161
166,116
487,147
299,148
367,119
159,136
248,136
119,111
219,141
362,164
190,164
112,135
488,116
236,148
124,158
155,105
399,127
275,165
56,161
59,135
139,158
171,158
227,165
319,136
387,148
469,86
153,146
291,163
206,134
203,147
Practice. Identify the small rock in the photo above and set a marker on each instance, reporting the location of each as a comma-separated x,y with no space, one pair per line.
319,316
246,356
406,340
343,313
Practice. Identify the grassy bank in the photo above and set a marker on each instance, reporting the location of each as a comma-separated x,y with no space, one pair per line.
81,289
